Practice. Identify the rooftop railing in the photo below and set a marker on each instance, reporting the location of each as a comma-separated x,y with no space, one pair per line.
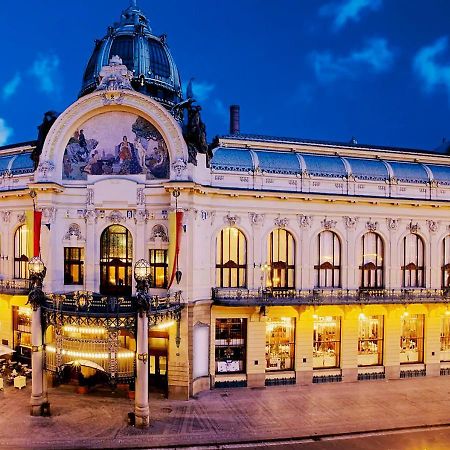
273,297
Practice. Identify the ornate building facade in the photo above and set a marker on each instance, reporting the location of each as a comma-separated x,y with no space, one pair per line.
269,260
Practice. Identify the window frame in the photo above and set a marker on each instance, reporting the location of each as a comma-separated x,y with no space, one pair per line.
415,271
76,262
279,266
155,265
323,266
373,269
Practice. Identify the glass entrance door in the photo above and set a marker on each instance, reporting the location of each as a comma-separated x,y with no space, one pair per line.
158,351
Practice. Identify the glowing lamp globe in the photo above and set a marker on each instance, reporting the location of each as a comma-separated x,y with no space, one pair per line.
36,266
141,270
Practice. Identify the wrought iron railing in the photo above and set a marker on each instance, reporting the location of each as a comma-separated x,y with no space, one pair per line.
239,297
15,287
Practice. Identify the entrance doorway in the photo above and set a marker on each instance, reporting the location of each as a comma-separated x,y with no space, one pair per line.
158,345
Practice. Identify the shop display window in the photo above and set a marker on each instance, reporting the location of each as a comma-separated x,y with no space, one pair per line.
230,342
327,342
370,340
445,338
411,339
22,332
280,343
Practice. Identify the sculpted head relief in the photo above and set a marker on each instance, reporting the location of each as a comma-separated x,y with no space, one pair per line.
116,143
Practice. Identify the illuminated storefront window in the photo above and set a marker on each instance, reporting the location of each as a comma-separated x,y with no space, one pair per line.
327,341
328,257
445,338
231,263
372,261
21,252
73,265
230,345
22,332
370,340
280,343
158,268
281,253
411,339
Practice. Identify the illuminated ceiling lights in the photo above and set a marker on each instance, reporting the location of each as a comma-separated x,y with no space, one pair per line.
84,330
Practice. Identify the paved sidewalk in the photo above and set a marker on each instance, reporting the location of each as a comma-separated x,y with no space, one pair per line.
226,415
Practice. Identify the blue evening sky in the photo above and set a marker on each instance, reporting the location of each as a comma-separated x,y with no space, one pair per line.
378,70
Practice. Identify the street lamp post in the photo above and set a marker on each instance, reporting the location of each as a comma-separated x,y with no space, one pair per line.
36,298
141,408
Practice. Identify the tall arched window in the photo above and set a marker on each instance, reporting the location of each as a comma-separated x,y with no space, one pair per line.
116,261
21,252
446,262
372,258
231,260
281,256
328,260
413,257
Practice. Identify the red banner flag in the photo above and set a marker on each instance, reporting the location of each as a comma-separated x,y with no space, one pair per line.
37,233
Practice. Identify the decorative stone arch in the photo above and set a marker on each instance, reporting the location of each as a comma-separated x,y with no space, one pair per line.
159,233
51,160
73,233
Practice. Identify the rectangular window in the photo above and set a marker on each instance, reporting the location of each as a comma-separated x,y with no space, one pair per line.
280,344
370,340
327,342
73,265
230,343
411,339
158,268
445,338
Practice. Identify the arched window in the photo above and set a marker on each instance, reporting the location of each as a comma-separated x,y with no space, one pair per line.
328,260
281,256
116,261
231,260
446,262
21,252
413,256
372,258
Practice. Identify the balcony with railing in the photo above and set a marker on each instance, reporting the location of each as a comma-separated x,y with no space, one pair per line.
286,297
15,287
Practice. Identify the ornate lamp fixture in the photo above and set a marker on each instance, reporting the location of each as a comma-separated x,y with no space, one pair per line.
142,277
37,271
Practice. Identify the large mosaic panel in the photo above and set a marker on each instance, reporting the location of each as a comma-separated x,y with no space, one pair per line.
116,143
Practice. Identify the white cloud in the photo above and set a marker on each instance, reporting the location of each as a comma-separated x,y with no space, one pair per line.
376,57
348,10
45,70
220,109
5,132
10,88
433,73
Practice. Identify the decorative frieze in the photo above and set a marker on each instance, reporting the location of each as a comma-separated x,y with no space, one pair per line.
179,167
433,225
304,221
49,215
350,222
255,218
74,232
116,217
231,220
281,222
328,224
413,227
140,196
392,224
46,169
6,216
21,217
371,226
159,232
142,215
89,196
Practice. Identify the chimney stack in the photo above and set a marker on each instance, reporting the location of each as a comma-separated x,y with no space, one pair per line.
235,121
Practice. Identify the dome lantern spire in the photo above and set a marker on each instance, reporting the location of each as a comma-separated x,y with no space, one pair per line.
146,55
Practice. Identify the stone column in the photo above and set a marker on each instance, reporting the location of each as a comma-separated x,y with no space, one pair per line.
38,391
141,397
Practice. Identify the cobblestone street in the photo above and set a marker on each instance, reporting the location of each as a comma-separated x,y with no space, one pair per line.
225,415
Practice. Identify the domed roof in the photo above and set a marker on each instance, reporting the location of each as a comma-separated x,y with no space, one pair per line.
146,55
